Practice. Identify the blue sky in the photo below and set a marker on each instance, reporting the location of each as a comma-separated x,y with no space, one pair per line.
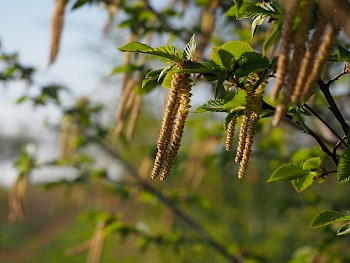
25,28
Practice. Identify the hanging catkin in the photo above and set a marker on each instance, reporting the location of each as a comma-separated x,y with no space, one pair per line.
185,98
56,29
330,37
286,41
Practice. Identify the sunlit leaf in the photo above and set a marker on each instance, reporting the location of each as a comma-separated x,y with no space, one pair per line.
344,167
212,105
287,172
302,183
328,217
344,229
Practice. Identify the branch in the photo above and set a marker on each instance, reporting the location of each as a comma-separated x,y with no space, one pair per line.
325,123
168,202
332,105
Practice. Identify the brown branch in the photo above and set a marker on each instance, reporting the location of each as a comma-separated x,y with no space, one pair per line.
191,222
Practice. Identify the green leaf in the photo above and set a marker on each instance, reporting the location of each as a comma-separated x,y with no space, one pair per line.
287,172
198,67
126,68
343,53
344,229
168,78
257,22
249,10
237,48
328,217
272,37
250,62
300,184
221,58
169,52
237,102
344,167
190,48
212,105
312,164
80,3
151,80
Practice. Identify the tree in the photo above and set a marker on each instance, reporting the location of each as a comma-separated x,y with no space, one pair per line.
292,47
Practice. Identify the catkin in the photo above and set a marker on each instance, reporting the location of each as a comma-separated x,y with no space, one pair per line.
185,98
324,50
256,109
246,117
169,116
230,133
56,29
308,60
286,40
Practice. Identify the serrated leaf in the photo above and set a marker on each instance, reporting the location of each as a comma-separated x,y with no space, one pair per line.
169,52
212,105
190,48
151,80
168,78
344,229
221,58
312,164
328,217
257,22
249,10
344,167
198,67
250,62
236,48
287,172
237,102
300,184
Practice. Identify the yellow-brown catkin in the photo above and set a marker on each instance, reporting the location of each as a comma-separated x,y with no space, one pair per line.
16,196
169,116
185,98
97,242
207,25
299,50
134,116
254,118
286,41
230,132
246,117
324,50
308,60
56,29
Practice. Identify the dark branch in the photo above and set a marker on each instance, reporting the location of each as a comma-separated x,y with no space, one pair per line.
167,202
332,105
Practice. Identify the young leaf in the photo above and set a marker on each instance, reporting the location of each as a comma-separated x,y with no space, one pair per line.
251,61
169,52
287,172
344,167
190,49
344,229
212,105
151,80
236,48
168,78
312,164
237,102
300,184
221,58
249,10
257,22
343,53
328,217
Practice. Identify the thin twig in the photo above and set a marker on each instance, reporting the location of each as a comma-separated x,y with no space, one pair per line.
332,105
329,83
325,123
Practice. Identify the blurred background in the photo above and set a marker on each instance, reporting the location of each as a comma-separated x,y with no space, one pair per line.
76,193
